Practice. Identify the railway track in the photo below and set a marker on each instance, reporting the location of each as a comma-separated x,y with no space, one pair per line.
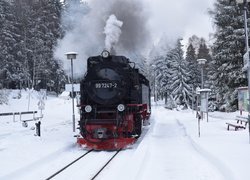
105,165
79,158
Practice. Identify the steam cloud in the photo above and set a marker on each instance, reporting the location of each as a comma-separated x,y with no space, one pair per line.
112,31
86,33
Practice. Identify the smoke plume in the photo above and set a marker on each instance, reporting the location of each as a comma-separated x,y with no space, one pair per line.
85,34
112,31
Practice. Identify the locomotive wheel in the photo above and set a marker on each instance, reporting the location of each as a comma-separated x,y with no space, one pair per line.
138,126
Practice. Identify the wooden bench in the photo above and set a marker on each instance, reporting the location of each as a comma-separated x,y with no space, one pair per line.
242,120
241,123
236,126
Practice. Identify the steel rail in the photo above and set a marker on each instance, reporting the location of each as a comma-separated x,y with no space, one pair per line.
105,165
65,167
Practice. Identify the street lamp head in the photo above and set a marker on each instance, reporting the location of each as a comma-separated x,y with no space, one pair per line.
201,61
71,55
197,90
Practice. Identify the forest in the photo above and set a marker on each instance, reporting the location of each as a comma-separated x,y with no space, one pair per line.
30,32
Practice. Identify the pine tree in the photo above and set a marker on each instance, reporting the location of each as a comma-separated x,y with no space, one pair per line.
8,44
47,29
159,71
3,63
172,76
228,51
194,75
161,76
39,25
22,9
193,67
195,41
28,35
180,90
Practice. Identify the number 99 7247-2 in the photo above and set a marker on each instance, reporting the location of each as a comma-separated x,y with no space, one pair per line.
105,85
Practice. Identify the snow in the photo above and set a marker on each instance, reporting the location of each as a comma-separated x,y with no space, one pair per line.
65,95
169,148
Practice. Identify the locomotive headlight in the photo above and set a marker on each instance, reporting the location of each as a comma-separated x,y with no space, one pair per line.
88,108
105,54
121,107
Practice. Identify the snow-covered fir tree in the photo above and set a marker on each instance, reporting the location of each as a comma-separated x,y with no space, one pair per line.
194,75
179,89
158,66
161,73
8,41
28,34
172,76
195,41
47,29
228,50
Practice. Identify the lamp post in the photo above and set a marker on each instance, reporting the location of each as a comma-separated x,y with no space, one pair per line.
246,55
202,63
71,56
154,82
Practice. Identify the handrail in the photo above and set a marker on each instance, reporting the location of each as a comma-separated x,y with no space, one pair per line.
17,113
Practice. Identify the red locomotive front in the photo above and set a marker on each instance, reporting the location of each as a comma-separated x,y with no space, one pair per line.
115,100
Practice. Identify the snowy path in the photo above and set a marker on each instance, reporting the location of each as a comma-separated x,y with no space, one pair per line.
167,153
181,160
168,149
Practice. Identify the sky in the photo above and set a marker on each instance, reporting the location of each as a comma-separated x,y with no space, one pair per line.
180,18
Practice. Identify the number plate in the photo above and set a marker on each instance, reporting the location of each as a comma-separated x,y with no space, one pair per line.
105,85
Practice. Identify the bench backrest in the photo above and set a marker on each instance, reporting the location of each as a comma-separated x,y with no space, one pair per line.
18,113
241,118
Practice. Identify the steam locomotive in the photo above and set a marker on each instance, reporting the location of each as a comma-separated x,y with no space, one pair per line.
115,101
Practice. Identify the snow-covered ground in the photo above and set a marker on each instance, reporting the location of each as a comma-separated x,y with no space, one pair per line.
168,149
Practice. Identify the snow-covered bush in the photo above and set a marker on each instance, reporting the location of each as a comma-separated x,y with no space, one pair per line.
4,94
16,94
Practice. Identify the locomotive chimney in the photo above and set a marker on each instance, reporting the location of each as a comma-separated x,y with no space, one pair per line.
112,51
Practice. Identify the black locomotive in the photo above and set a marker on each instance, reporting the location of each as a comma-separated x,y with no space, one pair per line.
115,100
